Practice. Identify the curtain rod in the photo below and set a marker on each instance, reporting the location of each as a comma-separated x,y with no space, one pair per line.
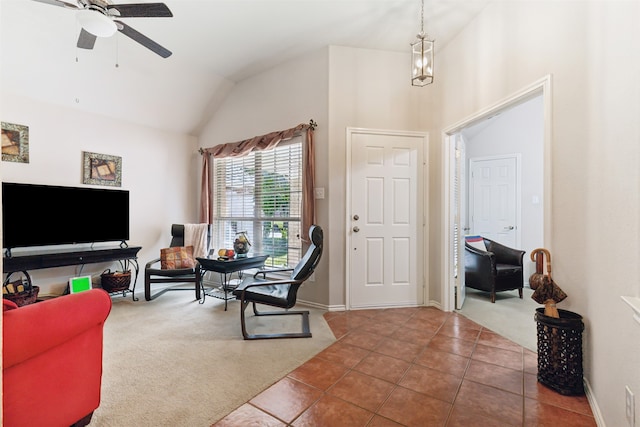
312,125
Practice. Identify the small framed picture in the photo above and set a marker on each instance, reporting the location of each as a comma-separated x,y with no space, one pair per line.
102,169
15,143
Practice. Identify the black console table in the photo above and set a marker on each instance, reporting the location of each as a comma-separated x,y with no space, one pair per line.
62,258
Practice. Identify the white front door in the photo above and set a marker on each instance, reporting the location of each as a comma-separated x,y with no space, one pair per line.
494,196
385,224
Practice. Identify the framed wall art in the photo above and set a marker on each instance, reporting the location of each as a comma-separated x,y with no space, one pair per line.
15,143
101,169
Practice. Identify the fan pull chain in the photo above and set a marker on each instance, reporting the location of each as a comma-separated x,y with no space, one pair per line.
117,52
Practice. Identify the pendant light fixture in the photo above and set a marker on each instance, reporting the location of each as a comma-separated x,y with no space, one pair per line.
422,56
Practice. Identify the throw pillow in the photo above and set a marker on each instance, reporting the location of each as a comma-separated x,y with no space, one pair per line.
476,242
177,257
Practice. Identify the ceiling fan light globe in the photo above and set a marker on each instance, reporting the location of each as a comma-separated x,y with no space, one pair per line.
96,23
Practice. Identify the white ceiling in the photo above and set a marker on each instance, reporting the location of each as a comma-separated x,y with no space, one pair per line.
215,43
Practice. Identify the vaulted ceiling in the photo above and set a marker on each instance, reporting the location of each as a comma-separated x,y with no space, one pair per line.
214,45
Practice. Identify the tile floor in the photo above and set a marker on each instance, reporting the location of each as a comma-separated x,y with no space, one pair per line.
413,367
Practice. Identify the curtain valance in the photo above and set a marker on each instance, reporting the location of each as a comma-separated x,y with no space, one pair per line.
257,143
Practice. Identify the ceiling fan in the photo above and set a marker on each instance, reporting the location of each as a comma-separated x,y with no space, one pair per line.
98,19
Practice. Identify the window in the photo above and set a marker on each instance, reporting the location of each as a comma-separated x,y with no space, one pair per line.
261,194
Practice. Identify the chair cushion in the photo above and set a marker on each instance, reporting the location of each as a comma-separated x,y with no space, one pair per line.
274,295
507,269
476,242
177,257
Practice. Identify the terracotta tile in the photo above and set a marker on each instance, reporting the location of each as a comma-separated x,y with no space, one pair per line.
379,421
362,339
490,338
451,345
530,362
424,325
286,399
495,376
379,327
490,402
331,411
358,318
460,332
498,356
250,416
407,311
339,326
362,390
319,373
393,317
541,414
332,315
481,379
433,383
399,349
433,314
459,320
466,417
346,354
369,313
411,408
420,337
384,367
443,361
350,320
535,390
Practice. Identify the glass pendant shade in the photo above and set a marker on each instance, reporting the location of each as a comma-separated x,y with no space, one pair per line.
96,23
422,61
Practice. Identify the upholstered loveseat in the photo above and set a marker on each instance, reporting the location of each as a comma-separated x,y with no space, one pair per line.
52,359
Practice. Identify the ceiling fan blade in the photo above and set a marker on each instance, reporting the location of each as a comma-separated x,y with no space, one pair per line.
86,40
142,39
140,10
69,4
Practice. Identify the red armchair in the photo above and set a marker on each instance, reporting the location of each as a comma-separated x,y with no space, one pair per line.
52,359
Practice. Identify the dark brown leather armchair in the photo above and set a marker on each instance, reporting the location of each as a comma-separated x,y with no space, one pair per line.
497,269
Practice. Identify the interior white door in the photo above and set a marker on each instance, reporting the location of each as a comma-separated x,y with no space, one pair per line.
459,209
494,199
385,224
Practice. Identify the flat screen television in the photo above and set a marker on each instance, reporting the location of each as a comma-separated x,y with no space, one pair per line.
42,215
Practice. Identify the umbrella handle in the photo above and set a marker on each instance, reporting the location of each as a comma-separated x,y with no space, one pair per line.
536,256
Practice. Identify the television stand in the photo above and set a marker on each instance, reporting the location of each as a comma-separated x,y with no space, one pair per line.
61,258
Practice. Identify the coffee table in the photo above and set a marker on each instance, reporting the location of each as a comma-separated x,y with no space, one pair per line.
226,268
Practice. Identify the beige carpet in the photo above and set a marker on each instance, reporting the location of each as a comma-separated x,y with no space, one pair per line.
174,362
510,316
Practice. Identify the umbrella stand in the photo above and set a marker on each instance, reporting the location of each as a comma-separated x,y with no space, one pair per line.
559,333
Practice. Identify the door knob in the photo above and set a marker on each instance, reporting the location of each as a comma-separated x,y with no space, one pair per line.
356,217
356,229
509,227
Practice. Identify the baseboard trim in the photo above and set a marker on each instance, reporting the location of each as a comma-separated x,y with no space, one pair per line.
595,409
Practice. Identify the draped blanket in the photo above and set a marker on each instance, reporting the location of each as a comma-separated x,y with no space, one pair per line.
196,235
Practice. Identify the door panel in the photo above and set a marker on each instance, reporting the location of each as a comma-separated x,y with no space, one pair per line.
385,243
494,189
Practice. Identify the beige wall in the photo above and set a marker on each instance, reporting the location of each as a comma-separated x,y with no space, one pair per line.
158,168
337,87
591,51
281,98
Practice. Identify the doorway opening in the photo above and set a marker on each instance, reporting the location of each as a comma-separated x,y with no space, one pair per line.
469,138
